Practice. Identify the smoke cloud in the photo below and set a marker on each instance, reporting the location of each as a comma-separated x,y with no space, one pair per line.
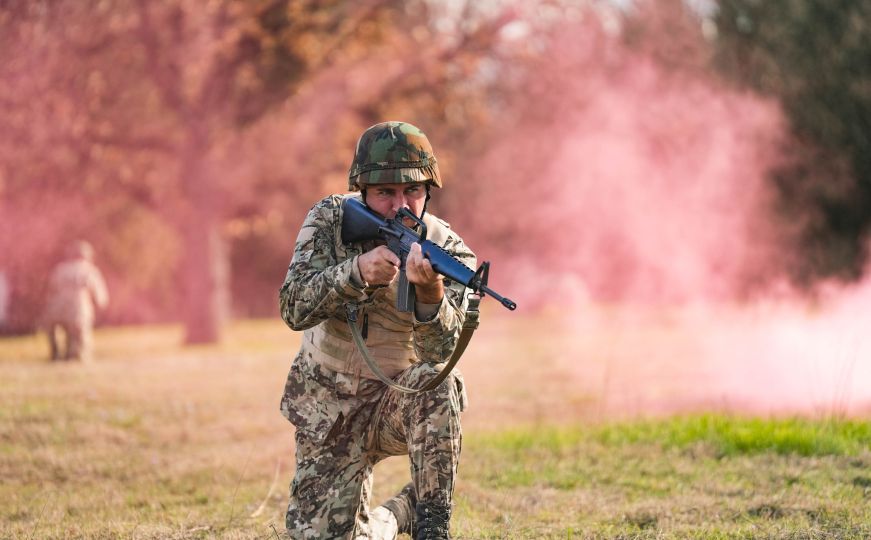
632,196
624,180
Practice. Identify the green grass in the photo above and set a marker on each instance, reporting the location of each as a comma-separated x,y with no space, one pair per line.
154,440
704,476
722,435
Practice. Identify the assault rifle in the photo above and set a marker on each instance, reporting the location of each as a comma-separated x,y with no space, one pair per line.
360,223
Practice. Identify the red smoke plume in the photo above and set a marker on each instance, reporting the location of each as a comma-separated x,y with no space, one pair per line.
632,195
624,179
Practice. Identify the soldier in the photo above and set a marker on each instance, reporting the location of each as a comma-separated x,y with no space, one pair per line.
74,288
346,420
5,294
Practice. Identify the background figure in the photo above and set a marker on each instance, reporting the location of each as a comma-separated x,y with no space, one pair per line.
74,288
5,293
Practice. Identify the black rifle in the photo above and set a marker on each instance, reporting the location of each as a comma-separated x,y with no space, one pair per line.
360,223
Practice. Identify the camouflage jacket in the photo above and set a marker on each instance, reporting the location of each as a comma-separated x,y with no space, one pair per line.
323,277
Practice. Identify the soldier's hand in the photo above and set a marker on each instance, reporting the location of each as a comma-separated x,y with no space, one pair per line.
379,266
428,284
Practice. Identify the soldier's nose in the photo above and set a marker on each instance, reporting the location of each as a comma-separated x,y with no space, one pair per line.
399,204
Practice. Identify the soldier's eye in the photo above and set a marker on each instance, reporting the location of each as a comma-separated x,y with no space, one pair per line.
414,191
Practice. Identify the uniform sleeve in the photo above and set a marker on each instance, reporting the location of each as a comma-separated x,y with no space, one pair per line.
435,339
317,286
97,287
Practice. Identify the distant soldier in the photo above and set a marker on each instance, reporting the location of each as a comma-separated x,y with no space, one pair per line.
5,294
74,288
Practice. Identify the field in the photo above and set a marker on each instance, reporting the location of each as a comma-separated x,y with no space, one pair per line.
568,435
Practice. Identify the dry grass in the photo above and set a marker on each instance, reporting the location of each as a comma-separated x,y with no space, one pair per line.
149,441
153,440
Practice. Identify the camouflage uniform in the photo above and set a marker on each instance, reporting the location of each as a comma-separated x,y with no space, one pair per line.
75,287
346,420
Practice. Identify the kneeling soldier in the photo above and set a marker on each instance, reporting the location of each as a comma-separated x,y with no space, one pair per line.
346,419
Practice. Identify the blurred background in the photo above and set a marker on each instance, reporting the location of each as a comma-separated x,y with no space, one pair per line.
677,193
679,159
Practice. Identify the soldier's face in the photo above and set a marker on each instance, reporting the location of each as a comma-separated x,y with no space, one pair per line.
387,199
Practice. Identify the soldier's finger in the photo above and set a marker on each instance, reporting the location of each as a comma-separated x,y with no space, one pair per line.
388,255
412,261
415,256
426,269
388,269
431,275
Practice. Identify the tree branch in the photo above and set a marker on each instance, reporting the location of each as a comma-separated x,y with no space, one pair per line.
348,26
143,143
166,79
484,34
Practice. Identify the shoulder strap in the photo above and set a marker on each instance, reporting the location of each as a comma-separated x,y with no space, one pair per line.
469,326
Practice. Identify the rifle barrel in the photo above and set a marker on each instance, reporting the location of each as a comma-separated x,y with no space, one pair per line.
507,302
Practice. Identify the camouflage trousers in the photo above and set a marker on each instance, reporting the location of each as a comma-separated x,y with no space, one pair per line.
79,341
346,425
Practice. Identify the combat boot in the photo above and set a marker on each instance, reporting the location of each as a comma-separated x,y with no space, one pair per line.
402,505
433,521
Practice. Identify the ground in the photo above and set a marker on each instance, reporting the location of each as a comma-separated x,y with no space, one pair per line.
568,435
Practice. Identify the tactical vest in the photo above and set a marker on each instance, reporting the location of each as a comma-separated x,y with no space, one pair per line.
389,332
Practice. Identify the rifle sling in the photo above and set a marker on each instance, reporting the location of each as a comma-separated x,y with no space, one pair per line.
469,326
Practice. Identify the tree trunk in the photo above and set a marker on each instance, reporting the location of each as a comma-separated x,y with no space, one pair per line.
206,263
205,281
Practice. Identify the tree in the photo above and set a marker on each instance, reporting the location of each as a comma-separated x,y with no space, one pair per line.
815,56
151,112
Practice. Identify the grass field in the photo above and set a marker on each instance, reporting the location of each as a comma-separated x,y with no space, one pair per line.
153,440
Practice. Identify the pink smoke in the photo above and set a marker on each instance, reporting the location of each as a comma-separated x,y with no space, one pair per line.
791,354
624,179
631,195
781,355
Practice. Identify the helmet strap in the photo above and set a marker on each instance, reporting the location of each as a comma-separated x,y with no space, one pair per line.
428,196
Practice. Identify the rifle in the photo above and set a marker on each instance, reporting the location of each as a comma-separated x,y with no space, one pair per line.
361,223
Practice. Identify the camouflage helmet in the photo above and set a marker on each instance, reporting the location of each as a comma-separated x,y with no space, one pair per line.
393,153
